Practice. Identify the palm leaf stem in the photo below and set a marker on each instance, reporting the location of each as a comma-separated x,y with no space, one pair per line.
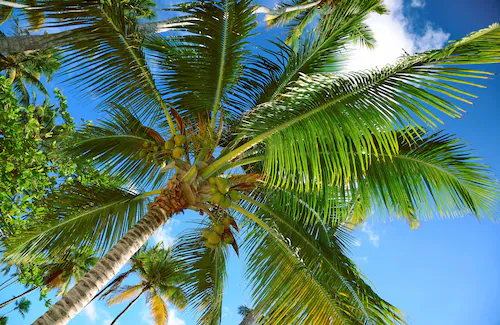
17,297
128,306
218,90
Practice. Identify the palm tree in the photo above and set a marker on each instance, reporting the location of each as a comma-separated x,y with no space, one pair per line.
161,277
58,274
281,143
26,68
23,306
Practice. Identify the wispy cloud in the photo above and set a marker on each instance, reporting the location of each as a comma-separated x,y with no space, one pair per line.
164,234
417,3
372,235
395,35
94,313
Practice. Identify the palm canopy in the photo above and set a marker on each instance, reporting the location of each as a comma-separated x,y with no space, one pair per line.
161,278
278,141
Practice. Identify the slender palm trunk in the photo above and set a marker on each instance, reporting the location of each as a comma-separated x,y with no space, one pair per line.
4,285
250,319
21,44
17,297
104,270
126,308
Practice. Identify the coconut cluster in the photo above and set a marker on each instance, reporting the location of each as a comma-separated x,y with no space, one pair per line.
219,233
176,145
149,150
221,191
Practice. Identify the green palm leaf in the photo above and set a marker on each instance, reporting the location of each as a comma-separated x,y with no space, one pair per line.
206,269
117,145
92,216
435,176
103,55
300,275
360,110
201,64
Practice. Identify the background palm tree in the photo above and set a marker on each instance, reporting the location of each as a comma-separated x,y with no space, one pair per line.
279,142
161,277
58,274
25,69
23,306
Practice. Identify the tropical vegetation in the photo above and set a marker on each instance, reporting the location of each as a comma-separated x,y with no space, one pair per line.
279,150
161,278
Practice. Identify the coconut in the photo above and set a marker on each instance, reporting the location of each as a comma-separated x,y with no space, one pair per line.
222,185
178,152
179,139
225,202
217,198
219,229
205,232
226,222
234,195
213,238
229,239
169,144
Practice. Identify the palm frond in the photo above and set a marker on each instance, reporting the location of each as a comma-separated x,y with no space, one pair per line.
118,146
206,270
318,51
200,64
361,112
93,216
436,176
124,294
158,307
103,55
300,275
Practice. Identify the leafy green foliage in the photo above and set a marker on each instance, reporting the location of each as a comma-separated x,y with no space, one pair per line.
300,273
361,110
200,65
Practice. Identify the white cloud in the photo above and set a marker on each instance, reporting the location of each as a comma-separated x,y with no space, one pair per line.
172,317
164,234
394,36
432,39
372,235
90,312
417,3
93,313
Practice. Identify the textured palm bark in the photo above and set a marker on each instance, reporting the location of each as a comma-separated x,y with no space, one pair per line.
21,44
78,297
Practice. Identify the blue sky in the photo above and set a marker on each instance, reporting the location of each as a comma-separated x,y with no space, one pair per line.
443,273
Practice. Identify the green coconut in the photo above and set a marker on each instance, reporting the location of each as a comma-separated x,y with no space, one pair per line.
179,139
213,238
219,229
178,152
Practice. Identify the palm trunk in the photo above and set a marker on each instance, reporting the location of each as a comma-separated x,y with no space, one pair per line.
250,319
4,285
17,297
104,270
21,44
129,305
